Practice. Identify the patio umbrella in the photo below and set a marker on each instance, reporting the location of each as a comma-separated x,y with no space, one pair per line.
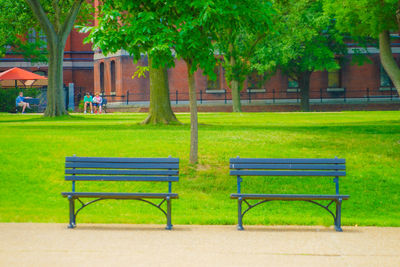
26,78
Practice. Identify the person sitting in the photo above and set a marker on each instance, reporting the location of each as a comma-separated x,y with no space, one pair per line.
97,103
20,102
87,100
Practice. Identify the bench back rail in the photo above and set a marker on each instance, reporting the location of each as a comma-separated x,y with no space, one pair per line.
122,169
287,167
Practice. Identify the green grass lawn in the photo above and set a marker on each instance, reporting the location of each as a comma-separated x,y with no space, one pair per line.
33,151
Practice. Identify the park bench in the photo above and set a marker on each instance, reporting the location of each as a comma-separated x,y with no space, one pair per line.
92,169
288,167
33,102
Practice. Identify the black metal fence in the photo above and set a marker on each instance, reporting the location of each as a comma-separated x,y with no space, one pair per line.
270,96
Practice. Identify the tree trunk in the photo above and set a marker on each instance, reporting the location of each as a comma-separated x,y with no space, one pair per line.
304,84
236,105
160,106
55,91
57,35
387,60
193,116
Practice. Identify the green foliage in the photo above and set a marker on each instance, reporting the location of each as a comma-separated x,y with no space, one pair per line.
163,30
141,71
305,40
17,19
239,26
8,96
364,17
33,152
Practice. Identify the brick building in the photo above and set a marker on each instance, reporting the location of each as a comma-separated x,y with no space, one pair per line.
113,76
78,62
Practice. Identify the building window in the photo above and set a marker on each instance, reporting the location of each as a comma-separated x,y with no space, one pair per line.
34,37
255,81
214,85
292,83
102,77
385,79
112,75
334,77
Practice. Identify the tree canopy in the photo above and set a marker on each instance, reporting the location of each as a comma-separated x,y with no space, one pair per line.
239,26
304,40
165,30
370,18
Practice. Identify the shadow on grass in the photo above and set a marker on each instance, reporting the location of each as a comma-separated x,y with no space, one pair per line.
351,129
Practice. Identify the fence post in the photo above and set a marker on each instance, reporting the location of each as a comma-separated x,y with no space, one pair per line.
249,93
367,94
225,96
127,97
391,93
297,95
320,94
176,97
344,94
273,95
201,96
71,95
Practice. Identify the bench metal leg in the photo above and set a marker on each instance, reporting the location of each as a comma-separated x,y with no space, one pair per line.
240,224
169,224
338,227
72,223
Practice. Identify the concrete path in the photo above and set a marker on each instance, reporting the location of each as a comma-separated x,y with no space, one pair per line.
25,244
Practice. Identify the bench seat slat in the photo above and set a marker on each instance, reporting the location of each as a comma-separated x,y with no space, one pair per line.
288,166
118,195
287,173
123,178
124,160
96,165
121,172
287,161
289,196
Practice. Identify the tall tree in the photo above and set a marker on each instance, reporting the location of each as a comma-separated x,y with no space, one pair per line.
165,30
56,19
122,25
239,25
305,41
370,18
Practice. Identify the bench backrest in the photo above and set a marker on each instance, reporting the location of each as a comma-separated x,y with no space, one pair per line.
121,169
287,167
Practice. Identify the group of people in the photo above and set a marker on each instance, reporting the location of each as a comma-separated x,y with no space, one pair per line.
95,103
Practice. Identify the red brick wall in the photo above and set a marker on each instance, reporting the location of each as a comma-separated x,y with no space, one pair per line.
355,79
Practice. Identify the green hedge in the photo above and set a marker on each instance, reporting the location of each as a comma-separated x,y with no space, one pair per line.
8,96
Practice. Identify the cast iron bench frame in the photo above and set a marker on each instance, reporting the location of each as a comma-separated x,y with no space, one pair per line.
288,167
121,169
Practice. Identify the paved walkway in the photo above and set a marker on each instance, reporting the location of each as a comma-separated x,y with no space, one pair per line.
25,244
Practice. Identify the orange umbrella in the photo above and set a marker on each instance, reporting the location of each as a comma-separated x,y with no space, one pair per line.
23,76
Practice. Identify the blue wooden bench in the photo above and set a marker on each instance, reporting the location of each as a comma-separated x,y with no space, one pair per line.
240,167
93,169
